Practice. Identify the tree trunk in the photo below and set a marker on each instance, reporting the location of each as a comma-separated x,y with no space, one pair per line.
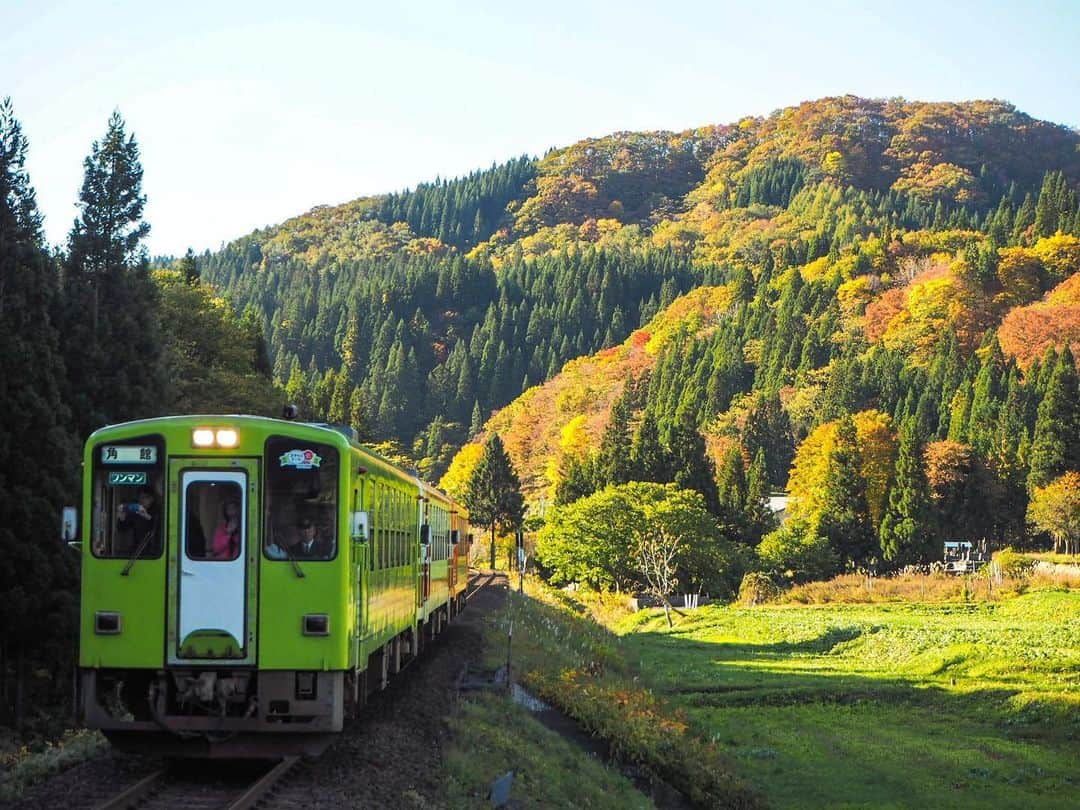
667,613
20,687
492,546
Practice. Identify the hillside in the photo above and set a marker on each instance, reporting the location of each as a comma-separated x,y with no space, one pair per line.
903,261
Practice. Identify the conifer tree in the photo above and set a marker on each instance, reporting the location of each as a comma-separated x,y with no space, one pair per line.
845,517
691,465
649,460
36,451
493,492
906,532
111,339
1055,446
189,267
614,462
358,414
759,517
476,423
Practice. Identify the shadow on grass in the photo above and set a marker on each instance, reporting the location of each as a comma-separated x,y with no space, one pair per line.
809,725
725,674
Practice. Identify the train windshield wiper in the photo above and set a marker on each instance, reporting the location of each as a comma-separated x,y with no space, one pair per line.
295,565
138,552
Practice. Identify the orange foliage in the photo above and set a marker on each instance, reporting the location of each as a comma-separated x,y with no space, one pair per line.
1027,331
536,427
947,464
880,313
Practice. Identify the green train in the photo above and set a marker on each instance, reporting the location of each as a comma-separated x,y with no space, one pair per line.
247,582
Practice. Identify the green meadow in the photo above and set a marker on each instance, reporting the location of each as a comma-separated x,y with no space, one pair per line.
885,705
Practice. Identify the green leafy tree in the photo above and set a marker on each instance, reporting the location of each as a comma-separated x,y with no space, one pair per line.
207,353
597,540
798,552
493,495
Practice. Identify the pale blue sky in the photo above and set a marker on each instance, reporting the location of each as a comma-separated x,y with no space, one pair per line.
251,112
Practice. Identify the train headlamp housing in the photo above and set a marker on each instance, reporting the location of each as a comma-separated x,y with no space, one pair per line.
316,624
226,437
214,437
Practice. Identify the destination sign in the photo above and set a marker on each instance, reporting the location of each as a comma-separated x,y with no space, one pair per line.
128,454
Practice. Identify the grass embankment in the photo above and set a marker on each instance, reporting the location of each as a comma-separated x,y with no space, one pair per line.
884,705
577,665
493,735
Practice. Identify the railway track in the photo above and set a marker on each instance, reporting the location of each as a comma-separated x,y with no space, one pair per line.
204,786
480,581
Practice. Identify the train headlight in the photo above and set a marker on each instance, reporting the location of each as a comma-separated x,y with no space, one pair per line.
202,437
226,437
214,437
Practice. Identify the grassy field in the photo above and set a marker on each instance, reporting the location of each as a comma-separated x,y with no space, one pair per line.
883,705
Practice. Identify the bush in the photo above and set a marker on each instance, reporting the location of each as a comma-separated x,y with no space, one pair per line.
1013,565
799,552
757,588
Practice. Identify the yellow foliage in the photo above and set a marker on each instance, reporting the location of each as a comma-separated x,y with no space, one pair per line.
815,270
573,440
690,313
809,469
1059,254
877,447
456,479
1018,271
854,295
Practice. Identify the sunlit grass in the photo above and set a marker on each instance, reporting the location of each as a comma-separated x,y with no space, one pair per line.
892,704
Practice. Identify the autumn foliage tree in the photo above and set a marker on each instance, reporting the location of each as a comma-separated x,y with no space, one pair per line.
1055,509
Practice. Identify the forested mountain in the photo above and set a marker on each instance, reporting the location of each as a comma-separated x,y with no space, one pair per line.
853,231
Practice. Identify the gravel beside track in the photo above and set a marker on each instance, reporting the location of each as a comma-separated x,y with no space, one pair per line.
390,756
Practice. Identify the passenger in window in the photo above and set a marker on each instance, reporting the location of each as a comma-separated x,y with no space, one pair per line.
226,542
137,519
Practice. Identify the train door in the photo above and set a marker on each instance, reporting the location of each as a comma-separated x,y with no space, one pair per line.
425,548
210,589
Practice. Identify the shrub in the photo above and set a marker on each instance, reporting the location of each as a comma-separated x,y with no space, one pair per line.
798,551
1013,565
757,588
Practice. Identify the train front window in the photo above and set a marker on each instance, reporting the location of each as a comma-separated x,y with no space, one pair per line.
301,500
126,509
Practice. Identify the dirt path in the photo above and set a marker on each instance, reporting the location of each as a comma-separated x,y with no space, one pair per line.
389,757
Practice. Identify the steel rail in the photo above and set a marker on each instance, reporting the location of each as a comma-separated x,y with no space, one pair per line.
134,794
263,785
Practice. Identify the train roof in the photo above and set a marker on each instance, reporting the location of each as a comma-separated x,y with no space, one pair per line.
341,435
